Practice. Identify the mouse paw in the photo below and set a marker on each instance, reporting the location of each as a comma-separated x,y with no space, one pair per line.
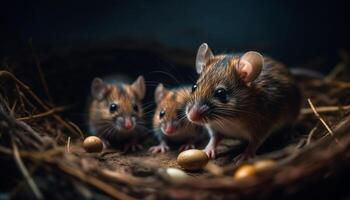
105,143
210,151
159,149
185,147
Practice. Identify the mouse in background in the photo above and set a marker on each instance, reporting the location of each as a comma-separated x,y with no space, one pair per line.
242,96
170,123
115,111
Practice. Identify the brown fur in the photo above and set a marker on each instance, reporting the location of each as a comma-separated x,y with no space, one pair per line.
252,111
102,122
173,103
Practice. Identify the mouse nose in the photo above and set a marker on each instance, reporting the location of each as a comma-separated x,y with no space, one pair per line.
127,123
169,128
197,113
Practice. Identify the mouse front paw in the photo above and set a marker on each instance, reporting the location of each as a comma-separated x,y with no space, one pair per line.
105,143
159,149
185,147
210,151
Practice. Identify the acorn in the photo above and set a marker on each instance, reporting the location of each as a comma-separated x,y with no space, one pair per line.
192,159
93,144
244,171
176,174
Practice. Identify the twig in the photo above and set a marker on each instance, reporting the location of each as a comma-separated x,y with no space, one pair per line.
37,99
27,101
77,129
125,178
20,96
68,145
322,121
27,136
5,103
13,108
108,189
38,156
44,114
25,173
340,67
17,189
29,129
324,109
336,83
309,137
337,69
47,157
341,84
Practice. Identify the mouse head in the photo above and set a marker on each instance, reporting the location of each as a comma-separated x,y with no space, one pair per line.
224,85
169,114
117,107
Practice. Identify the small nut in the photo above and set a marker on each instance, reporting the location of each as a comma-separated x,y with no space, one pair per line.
244,171
192,159
176,174
93,144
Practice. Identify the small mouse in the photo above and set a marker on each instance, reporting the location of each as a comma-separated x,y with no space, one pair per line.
170,123
244,96
115,111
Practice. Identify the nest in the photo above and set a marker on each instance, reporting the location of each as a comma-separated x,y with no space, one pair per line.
42,157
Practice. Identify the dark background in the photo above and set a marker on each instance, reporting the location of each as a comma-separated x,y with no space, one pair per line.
289,30
78,40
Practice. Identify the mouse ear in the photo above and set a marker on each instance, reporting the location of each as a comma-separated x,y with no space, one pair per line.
139,87
160,92
204,54
98,89
250,65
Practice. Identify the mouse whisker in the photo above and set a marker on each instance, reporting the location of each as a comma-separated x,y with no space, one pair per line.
219,119
235,111
105,131
148,112
168,74
181,117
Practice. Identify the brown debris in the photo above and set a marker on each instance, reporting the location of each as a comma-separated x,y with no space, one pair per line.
37,137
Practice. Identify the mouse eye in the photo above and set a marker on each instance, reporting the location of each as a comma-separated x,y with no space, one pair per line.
221,94
161,114
136,108
113,108
194,87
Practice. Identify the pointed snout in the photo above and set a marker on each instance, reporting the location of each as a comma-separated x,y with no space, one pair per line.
126,123
197,112
169,128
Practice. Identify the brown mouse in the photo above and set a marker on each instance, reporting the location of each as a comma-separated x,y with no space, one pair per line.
115,111
242,96
170,124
